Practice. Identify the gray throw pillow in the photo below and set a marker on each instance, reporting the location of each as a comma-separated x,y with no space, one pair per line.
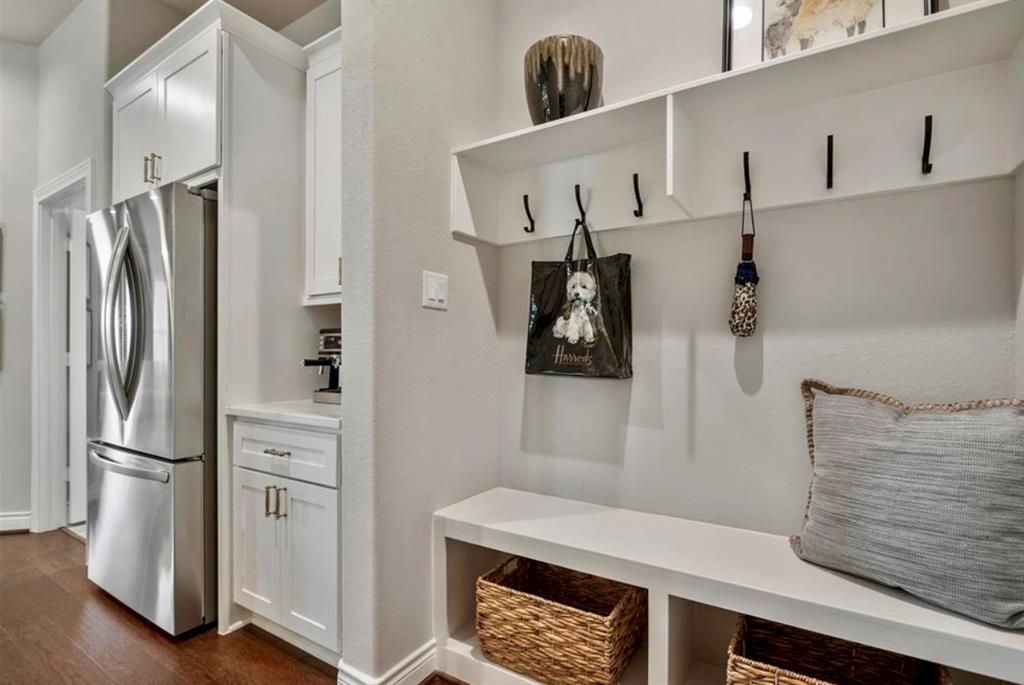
928,498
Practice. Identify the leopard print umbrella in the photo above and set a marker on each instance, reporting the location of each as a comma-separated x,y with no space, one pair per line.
743,317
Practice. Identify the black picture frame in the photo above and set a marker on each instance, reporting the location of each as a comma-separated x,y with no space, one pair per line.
929,6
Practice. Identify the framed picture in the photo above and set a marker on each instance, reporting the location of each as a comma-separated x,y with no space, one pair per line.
754,31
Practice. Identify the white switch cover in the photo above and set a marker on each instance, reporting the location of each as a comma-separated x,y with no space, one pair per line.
435,290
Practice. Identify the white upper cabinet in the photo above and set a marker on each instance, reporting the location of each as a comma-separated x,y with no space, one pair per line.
323,171
167,113
134,122
165,125
189,134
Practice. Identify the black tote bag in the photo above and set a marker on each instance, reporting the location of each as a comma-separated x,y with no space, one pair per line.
581,315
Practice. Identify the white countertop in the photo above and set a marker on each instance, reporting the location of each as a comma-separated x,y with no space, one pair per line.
294,412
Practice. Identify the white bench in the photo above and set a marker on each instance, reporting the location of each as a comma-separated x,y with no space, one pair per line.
681,562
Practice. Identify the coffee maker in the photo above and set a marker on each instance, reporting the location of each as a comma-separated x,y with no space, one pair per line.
329,357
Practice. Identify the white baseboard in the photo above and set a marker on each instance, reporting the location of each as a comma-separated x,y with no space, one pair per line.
411,670
14,520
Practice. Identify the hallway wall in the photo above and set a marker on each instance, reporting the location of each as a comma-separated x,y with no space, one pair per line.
18,116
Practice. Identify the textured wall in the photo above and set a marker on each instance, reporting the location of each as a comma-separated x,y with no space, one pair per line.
18,94
422,402
911,295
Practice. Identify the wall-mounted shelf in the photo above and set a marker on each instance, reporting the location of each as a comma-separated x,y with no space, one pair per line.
682,563
965,67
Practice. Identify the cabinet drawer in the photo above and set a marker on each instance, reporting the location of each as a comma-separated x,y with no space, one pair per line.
299,454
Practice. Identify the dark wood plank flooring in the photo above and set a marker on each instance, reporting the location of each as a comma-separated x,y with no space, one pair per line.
57,627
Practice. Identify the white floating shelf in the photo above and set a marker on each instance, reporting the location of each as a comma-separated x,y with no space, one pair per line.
963,66
738,570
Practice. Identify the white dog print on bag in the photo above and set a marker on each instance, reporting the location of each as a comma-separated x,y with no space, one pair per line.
580,317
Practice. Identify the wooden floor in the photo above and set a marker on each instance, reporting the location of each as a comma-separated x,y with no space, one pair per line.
57,627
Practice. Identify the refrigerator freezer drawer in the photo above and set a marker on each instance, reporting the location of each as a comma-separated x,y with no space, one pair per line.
146,535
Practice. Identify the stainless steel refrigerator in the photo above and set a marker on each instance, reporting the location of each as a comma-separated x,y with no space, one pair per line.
151,519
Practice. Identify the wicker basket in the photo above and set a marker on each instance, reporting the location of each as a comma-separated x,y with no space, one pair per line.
558,626
766,653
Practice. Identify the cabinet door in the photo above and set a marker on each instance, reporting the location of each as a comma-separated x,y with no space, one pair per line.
135,131
309,561
323,177
256,537
189,92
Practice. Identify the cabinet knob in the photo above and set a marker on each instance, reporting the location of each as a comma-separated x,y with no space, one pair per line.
146,163
266,500
277,453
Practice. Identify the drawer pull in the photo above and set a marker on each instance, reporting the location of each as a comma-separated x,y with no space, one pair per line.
278,514
277,453
266,500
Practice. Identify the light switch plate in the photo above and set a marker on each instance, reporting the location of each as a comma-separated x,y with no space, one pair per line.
435,290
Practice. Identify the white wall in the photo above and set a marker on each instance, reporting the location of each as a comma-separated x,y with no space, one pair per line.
421,405
74,113
892,294
911,295
315,23
18,95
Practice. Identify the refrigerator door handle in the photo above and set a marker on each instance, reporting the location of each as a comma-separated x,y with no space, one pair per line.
123,383
112,366
102,462
138,332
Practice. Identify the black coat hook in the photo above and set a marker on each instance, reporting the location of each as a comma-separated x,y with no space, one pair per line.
639,211
526,206
828,173
746,174
579,204
926,162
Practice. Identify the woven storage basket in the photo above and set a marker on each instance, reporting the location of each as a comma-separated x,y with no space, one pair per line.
558,626
766,653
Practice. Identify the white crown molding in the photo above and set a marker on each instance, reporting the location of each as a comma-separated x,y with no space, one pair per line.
411,670
14,520
323,47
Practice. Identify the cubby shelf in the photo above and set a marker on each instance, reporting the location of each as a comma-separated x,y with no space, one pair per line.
964,66
684,563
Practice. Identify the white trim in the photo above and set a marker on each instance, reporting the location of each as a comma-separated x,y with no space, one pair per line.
14,520
47,509
411,670
323,47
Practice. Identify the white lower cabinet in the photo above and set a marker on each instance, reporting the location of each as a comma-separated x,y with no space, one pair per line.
309,561
285,543
257,547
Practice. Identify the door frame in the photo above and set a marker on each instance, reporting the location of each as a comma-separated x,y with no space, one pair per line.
48,502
